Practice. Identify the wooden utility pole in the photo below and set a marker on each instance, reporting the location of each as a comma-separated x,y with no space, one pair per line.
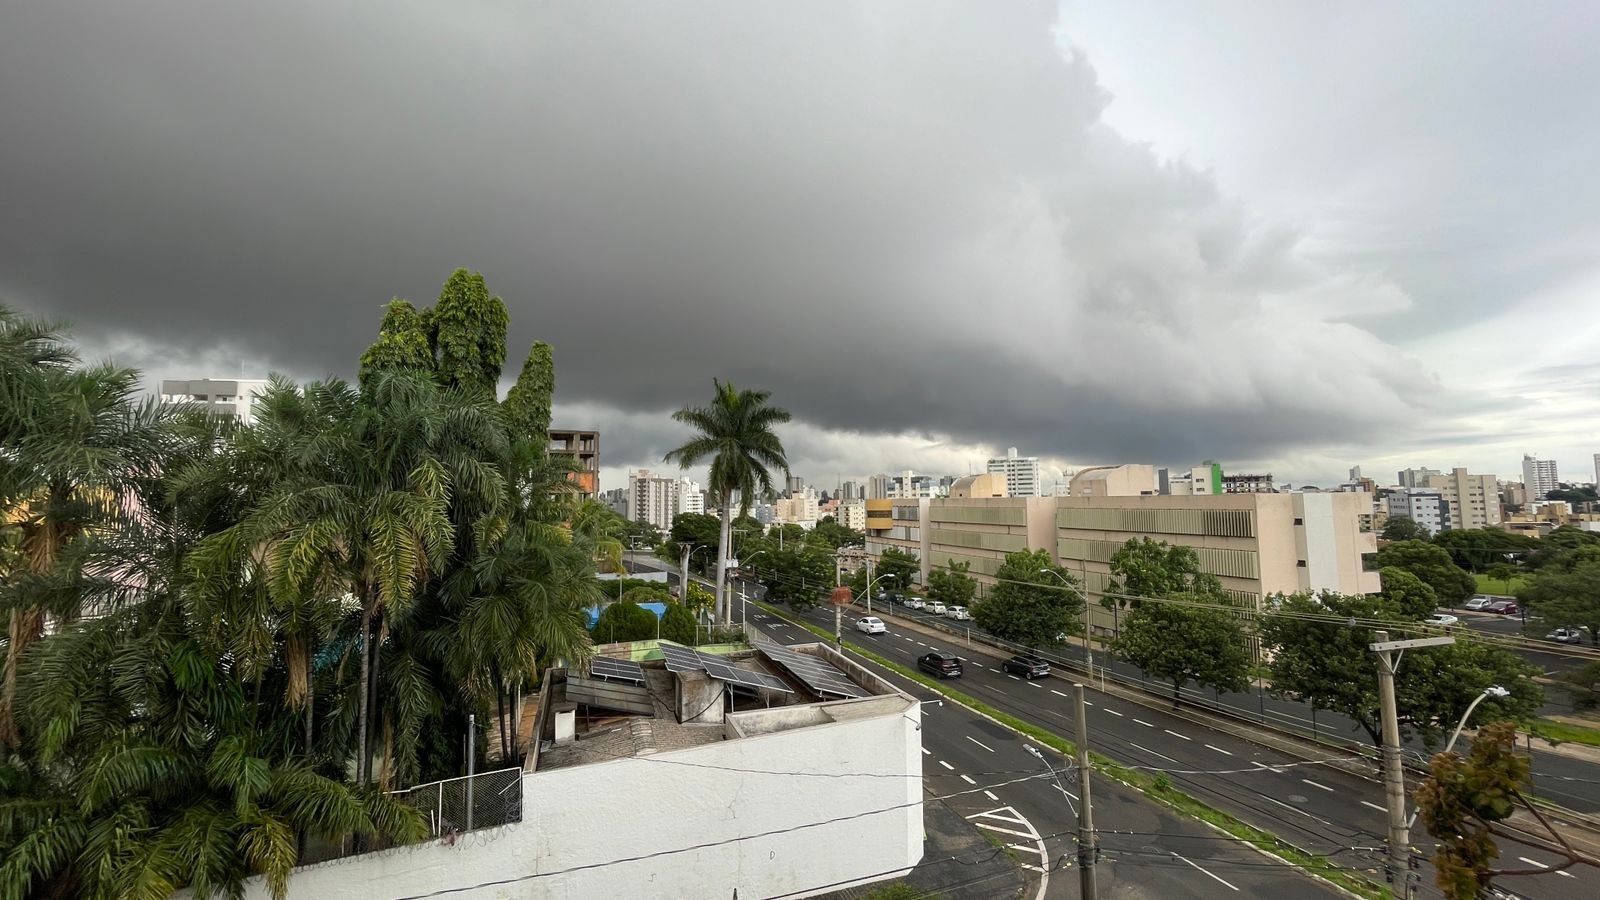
1087,851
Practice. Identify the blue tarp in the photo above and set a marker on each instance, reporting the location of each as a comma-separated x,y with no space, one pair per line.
660,609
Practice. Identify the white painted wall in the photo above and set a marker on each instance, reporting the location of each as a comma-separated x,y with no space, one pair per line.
596,815
1318,537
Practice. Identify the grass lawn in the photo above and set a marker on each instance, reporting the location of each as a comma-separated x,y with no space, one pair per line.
1487,585
1556,732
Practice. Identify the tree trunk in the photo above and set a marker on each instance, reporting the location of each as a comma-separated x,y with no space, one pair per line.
725,532
500,703
1177,686
380,631
362,692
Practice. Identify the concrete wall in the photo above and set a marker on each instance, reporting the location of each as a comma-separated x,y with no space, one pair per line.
598,815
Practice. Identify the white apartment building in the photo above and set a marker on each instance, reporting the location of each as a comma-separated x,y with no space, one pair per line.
658,499
878,487
1597,470
802,510
1021,472
1538,476
690,498
1473,501
910,486
852,515
1415,478
1424,506
234,397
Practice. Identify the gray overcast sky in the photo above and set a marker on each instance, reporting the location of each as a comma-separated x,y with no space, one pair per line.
1284,235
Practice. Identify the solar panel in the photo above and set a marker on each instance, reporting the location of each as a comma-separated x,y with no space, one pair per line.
681,658
687,659
617,669
818,675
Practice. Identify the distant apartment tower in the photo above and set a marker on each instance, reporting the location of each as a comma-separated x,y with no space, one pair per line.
1538,476
1473,501
583,447
652,498
1248,484
1021,472
852,514
878,487
1597,471
690,498
1415,478
848,491
1424,506
796,485
234,397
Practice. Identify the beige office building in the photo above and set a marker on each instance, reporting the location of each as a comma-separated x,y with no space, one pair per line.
1474,499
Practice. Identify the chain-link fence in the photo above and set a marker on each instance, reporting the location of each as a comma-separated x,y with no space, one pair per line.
485,800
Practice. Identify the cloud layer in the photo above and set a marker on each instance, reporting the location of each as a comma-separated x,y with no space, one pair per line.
908,221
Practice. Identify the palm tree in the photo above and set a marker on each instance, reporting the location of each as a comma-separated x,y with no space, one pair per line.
601,531
735,433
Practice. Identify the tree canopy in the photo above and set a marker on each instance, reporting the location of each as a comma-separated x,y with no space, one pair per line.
1566,592
902,565
1035,602
1433,565
1403,528
1145,568
951,585
1184,639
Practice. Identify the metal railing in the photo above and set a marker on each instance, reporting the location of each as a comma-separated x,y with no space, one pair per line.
467,803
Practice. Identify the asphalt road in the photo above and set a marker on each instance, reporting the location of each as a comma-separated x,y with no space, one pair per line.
1316,807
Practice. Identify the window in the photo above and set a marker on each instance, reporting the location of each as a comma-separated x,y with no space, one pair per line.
1301,563
1299,521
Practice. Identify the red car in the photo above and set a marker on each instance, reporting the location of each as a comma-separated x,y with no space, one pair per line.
1503,607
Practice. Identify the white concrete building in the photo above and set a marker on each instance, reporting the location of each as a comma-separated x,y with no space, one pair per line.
1021,472
1597,471
1538,476
628,796
852,515
234,397
1473,500
690,498
1424,506
878,487
802,511
1415,478
1115,481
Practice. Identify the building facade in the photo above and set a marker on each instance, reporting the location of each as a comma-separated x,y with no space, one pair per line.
583,447
1021,473
878,487
1415,478
1473,501
233,397
852,515
657,499
1539,477
1424,506
1114,481
1248,484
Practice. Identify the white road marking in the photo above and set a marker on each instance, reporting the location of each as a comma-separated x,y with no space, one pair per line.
1297,809
1022,834
997,814
1316,785
1153,753
1373,806
1214,877
947,765
1065,791
968,779
1031,684
980,743
1566,873
1533,862
1144,723
1012,677
1278,769
1113,712
927,752
1177,735
1087,703
1031,834
990,795
1219,750
1057,693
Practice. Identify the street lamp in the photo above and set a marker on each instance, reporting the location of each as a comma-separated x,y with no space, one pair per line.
869,588
742,601
1493,690
1088,652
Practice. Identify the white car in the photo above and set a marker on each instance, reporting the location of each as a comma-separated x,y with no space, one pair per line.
915,603
1479,602
1567,635
871,625
936,608
1442,619
957,612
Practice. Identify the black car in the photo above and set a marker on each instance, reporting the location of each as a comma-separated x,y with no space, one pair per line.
1026,666
944,665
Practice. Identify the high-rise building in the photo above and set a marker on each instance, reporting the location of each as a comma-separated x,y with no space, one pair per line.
1415,478
1538,476
1248,484
878,487
847,492
852,514
658,499
797,485
583,447
1022,473
1424,506
1597,471
234,397
690,498
1473,501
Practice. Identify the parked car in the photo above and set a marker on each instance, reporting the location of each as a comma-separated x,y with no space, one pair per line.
1479,602
1503,607
936,608
1442,619
871,625
942,665
915,603
956,612
1567,635
1026,666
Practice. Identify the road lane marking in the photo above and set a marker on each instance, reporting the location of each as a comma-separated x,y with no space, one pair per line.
990,795
1177,735
1316,785
1021,834
1065,791
1214,877
947,765
1297,809
1373,806
1087,703
980,743
1144,723
1153,753
1533,862
1278,769
1113,712
1012,677
997,814
1219,750
927,752
968,779
1031,684
1057,693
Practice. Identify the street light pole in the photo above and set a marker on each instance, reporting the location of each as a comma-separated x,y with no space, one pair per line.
1394,776
1088,652
1493,690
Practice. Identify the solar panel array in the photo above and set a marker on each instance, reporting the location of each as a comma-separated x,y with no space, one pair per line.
616,669
687,659
820,676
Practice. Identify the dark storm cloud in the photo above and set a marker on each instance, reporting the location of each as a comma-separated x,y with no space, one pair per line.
900,218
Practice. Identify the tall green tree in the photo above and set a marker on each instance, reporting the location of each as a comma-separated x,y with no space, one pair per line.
469,335
527,404
1181,640
403,344
1431,563
625,621
1403,528
734,432
1567,591
830,532
951,585
1146,568
1411,597
902,565
799,574
1034,603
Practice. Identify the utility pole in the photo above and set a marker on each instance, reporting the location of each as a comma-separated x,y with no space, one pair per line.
1087,851
1394,776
